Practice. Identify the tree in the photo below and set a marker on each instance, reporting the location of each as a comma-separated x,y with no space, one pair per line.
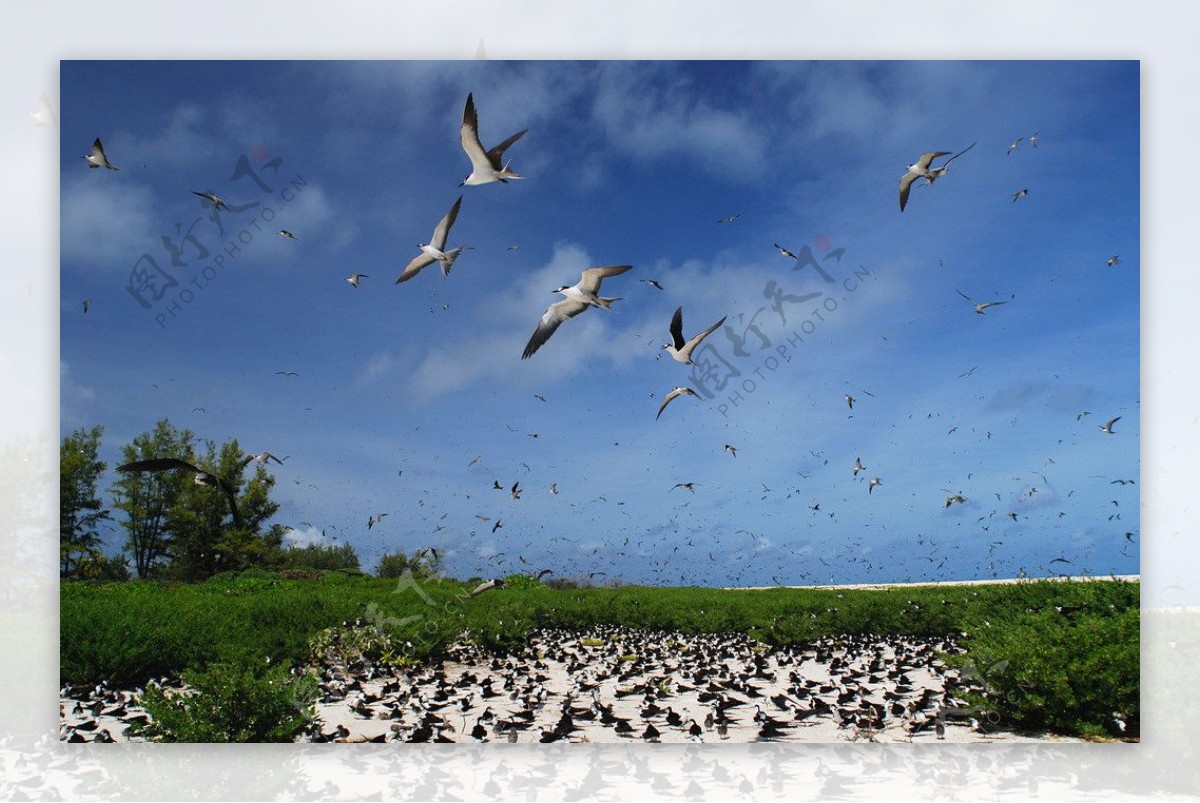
323,557
148,498
80,508
423,563
202,543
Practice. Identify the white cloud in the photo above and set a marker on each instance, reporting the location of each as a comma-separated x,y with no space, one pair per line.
310,536
108,222
75,398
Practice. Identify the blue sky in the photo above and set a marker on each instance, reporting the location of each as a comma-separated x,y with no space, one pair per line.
631,163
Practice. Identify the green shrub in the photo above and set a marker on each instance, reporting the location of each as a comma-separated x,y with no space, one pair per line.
232,702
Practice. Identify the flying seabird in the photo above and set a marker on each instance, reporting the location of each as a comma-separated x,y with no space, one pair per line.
515,493
729,219
286,373
858,466
850,401
670,397
355,278
679,349
488,586
731,449
937,172
97,158
288,234
202,477
497,525
980,307
652,283
1113,261
959,498
578,298
87,304
486,165
871,485
213,199
687,486
916,170
264,457
1019,194
554,488
1033,139
373,520
434,250
1109,426
1015,144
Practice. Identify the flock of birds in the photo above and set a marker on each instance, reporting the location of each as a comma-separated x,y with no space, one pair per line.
488,166
612,683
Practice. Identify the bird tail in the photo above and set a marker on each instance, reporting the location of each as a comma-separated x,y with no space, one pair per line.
507,172
606,303
447,262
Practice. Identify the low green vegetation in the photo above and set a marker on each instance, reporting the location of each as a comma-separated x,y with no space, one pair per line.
232,702
1062,656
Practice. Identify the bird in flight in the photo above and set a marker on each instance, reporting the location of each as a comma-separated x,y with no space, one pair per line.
937,172
87,305
485,165
288,234
729,219
515,493
679,349
488,586
264,457
980,307
435,249
687,486
731,449
652,283
959,498
672,396
871,485
1033,139
355,278
921,169
1113,260
213,199
97,158
1109,426
578,298
1019,194
373,520
858,466
286,373
202,477
497,525
1016,143
850,401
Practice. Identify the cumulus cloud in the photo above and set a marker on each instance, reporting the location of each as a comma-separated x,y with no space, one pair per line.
308,536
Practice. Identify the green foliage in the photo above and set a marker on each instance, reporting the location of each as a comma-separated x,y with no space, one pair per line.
146,499
316,556
80,507
232,702
422,564
1066,668
1084,662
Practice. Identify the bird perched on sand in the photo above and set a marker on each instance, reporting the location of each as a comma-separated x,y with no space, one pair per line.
578,298
486,166
681,350
435,249
202,477
97,158
672,396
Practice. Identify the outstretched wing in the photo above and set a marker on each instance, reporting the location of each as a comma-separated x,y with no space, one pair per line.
552,318
695,341
677,329
160,464
496,154
419,262
443,227
589,279
905,186
960,153
468,133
